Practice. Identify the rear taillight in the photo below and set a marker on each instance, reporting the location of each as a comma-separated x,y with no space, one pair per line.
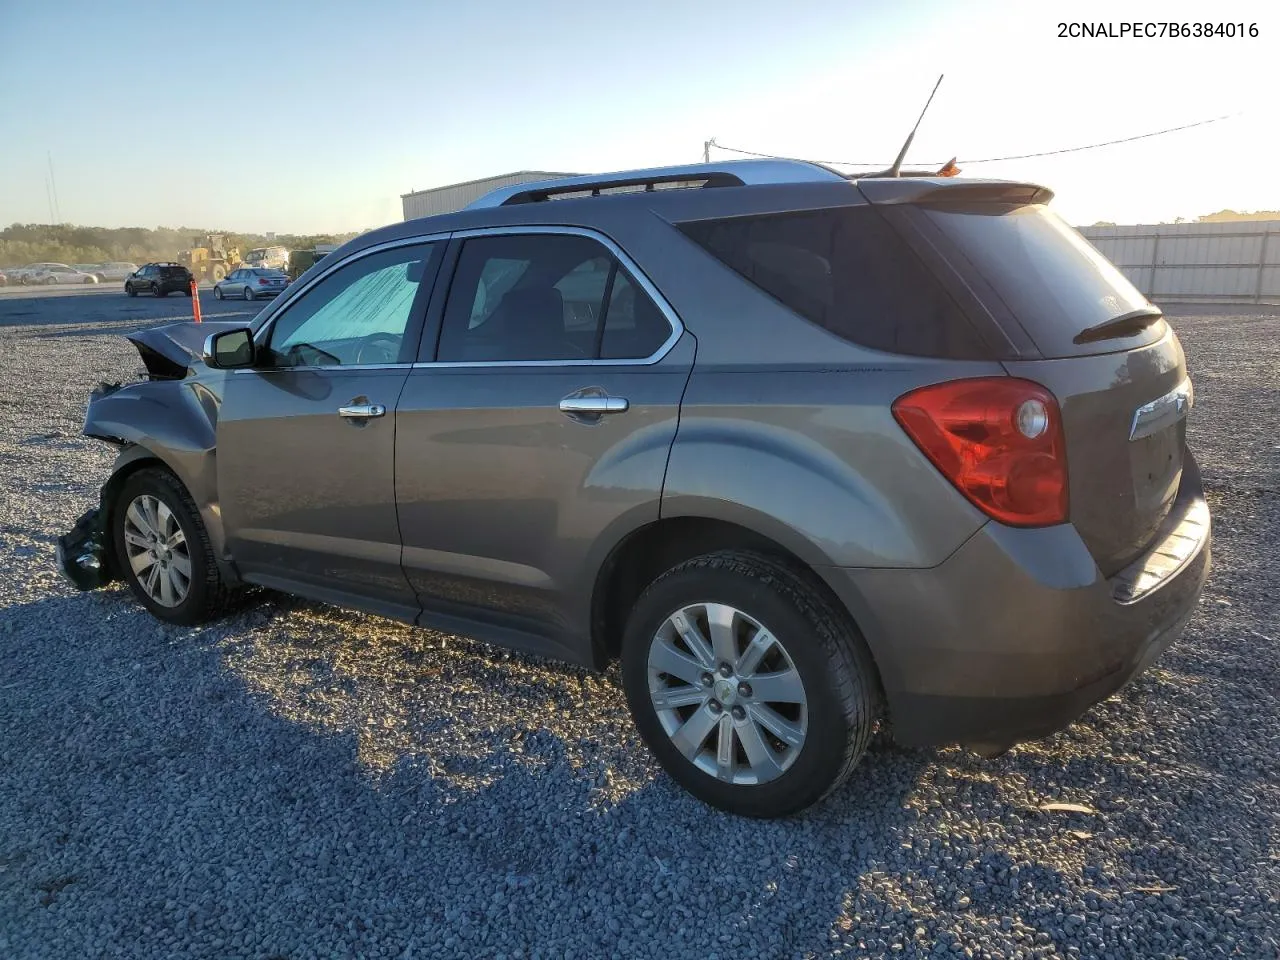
262,282
999,440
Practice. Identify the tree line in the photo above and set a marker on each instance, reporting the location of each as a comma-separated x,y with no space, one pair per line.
23,243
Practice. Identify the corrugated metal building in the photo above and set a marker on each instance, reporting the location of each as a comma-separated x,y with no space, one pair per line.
1237,261
455,196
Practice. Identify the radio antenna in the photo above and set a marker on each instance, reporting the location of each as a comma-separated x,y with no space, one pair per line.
896,169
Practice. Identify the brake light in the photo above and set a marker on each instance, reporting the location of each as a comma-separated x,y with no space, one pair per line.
999,440
262,282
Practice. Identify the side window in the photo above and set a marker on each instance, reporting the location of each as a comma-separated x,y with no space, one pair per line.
545,297
848,271
524,297
583,291
634,327
358,314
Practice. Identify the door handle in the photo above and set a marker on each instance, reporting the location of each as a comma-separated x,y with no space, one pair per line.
362,411
594,406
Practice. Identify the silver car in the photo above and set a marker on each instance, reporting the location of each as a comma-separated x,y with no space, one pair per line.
805,453
54,273
116,270
250,283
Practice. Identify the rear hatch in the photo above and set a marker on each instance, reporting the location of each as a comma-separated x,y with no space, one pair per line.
174,274
1075,324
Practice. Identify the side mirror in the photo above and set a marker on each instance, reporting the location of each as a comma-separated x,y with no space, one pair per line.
230,349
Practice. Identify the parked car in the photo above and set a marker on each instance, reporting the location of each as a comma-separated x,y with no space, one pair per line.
250,283
50,274
268,258
159,280
25,275
116,270
89,268
4,279
807,453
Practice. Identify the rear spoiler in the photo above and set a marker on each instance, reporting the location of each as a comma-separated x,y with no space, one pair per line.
950,190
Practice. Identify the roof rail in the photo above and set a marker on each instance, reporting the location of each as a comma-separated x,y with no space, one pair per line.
730,173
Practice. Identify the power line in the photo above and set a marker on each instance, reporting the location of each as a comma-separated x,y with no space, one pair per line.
1020,156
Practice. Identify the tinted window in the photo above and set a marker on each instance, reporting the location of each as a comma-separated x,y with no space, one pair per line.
360,313
848,271
634,327
1051,278
531,297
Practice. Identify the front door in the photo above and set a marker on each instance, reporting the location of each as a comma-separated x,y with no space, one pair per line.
541,429
306,438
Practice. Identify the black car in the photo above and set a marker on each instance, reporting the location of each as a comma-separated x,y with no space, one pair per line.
159,279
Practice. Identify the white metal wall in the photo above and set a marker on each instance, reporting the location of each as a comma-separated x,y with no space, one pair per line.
1196,261
447,199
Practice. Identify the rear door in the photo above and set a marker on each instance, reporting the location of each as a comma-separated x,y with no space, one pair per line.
306,438
538,429
1115,366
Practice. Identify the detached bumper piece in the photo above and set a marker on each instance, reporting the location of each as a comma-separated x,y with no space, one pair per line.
82,552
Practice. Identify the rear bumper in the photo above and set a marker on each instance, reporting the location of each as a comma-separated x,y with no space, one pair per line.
1018,633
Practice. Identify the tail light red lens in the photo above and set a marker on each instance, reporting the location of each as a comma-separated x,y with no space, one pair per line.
999,440
262,282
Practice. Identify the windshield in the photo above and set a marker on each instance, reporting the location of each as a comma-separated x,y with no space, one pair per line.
1050,277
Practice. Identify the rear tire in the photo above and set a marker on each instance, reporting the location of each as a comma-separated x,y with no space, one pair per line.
206,595
50,281
780,609
158,291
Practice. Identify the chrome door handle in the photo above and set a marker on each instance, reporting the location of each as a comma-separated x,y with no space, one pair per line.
594,406
361,411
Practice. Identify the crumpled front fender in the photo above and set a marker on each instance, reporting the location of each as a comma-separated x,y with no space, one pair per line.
173,421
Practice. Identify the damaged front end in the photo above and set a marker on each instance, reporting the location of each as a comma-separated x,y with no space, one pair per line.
169,418
83,557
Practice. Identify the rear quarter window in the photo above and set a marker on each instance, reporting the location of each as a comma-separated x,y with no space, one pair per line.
848,271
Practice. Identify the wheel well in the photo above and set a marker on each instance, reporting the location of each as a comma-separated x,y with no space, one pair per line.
652,550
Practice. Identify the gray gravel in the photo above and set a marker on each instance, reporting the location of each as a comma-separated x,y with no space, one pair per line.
300,781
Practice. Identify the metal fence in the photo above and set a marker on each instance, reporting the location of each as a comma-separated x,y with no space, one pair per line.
1232,262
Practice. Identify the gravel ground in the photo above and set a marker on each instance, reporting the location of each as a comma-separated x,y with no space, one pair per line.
300,781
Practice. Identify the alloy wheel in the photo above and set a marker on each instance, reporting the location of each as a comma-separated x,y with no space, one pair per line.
157,550
727,693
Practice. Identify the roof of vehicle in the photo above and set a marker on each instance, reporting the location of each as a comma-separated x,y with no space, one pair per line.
679,193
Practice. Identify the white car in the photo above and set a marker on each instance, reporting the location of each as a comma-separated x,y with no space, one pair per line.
51,273
23,275
115,270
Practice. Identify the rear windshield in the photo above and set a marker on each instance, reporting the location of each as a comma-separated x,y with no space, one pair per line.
1050,277
172,271
847,270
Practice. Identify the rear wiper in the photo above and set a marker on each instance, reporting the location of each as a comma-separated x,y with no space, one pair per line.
1125,325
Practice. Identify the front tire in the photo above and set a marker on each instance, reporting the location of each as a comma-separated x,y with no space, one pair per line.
750,687
217,293
162,550
128,288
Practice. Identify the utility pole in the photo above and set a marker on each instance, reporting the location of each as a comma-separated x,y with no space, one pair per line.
706,149
53,185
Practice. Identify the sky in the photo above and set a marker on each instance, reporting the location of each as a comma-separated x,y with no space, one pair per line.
315,116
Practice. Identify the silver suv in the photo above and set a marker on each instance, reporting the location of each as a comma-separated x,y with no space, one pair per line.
807,453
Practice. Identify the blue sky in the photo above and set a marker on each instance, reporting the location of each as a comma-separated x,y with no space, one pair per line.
316,116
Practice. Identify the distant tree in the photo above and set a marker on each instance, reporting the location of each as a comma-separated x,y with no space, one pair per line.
1234,216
